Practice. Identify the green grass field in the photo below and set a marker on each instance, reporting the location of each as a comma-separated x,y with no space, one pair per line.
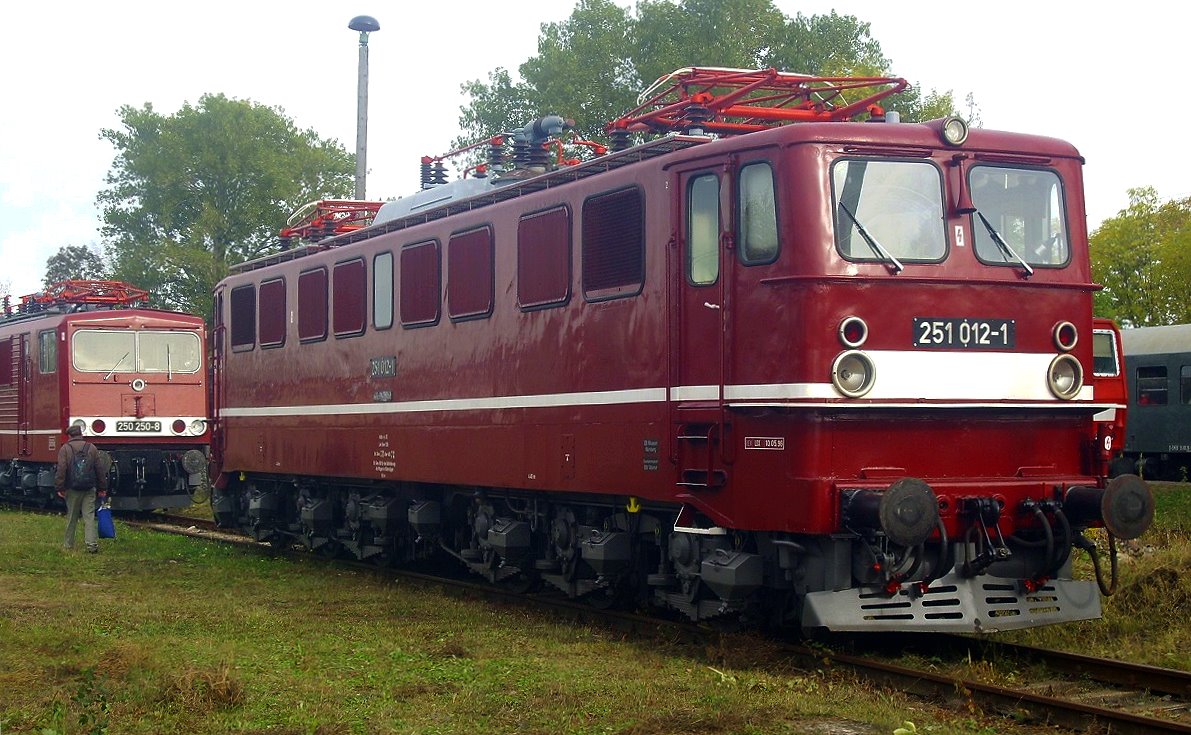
161,633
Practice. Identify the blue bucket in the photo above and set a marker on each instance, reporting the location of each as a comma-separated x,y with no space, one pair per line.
107,527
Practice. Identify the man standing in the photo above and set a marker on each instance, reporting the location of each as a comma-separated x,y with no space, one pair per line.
79,478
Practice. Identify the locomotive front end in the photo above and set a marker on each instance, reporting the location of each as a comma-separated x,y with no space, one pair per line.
138,391
961,440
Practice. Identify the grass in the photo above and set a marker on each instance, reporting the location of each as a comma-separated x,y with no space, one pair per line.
161,633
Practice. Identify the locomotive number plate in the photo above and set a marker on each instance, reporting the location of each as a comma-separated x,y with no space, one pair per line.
138,426
979,334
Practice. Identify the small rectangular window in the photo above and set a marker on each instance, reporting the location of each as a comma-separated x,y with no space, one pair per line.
421,284
47,351
614,244
1104,355
348,295
1185,385
1151,385
544,259
470,282
6,371
243,329
758,215
703,230
272,313
382,290
312,305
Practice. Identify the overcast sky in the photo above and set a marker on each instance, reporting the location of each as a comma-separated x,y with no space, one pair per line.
1103,79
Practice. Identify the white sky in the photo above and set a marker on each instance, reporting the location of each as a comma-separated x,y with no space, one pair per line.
1102,79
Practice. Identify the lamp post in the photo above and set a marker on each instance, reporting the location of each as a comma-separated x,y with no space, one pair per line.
365,24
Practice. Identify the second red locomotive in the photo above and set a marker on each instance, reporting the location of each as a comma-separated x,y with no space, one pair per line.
830,373
133,378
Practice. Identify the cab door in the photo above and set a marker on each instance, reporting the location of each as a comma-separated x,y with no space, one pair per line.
20,346
701,229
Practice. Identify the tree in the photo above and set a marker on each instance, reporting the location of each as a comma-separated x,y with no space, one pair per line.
1142,257
592,66
74,262
191,193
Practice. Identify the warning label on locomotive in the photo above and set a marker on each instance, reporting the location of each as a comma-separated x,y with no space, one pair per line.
774,443
977,334
384,458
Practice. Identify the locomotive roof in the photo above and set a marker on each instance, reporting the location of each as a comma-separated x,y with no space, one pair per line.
424,207
62,314
1157,340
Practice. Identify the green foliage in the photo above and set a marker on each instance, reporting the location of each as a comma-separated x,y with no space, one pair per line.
1143,258
591,66
74,262
191,193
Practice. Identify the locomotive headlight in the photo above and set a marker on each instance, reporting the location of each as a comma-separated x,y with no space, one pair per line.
955,130
1065,377
853,373
198,426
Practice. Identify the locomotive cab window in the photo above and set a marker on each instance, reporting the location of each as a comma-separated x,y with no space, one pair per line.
613,245
167,352
1019,215
758,215
6,371
887,208
1104,355
106,351
1185,384
1151,385
47,351
703,230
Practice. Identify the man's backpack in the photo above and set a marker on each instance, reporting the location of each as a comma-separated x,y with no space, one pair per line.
80,472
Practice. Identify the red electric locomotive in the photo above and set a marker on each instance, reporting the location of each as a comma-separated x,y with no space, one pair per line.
133,378
830,373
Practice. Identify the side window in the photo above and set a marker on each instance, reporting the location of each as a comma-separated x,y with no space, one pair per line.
47,351
1151,385
703,230
544,259
243,329
1104,355
382,290
758,214
470,279
348,295
312,305
614,245
1185,385
272,313
421,284
6,373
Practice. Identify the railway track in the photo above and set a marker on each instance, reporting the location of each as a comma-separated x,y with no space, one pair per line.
1072,691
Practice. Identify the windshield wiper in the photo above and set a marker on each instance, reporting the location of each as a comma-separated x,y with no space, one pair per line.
872,242
169,369
1004,246
118,363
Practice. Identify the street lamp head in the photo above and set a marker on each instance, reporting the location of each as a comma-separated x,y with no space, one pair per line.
364,24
